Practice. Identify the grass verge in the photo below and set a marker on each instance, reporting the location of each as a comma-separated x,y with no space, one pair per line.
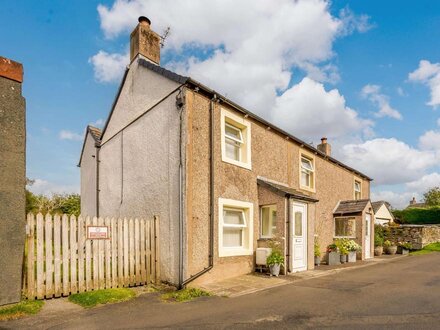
107,296
433,247
25,307
185,295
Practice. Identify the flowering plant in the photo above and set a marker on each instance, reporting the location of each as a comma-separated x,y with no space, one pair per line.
388,243
405,245
332,248
352,246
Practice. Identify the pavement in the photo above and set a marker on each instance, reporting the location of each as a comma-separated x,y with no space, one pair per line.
402,294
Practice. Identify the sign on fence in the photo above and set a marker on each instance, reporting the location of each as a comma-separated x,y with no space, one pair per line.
66,255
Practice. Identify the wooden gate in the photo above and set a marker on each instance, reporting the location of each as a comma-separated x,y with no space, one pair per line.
61,260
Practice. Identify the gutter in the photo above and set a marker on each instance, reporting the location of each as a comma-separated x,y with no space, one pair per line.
211,199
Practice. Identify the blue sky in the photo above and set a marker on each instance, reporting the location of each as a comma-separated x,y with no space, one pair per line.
351,58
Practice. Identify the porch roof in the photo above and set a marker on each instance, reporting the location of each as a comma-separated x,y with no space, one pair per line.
351,206
285,190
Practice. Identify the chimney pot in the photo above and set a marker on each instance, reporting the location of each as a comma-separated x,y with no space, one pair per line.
324,140
324,147
144,20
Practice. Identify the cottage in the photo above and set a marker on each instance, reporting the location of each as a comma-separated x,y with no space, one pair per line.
223,180
382,213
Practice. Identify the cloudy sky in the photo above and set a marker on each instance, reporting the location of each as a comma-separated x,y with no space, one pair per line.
362,73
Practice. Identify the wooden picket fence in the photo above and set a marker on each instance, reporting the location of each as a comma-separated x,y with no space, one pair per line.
60,260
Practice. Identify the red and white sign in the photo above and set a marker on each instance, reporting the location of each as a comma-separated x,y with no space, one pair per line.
97,232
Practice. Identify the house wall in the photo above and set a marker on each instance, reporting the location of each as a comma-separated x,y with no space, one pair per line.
12,180
383,215
88,178
139,160
273,157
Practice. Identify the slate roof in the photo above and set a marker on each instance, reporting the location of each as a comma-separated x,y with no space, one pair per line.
285,190
188,80
351,206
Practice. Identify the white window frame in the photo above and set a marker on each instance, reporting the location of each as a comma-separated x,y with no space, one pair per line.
334,227
244,126
273,226
360,189
248,235
312,172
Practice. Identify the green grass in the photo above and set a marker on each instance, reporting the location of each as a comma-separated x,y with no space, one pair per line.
25,307
107,296
185,295
433,247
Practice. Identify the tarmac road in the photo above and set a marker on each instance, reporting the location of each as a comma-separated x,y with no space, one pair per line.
403,294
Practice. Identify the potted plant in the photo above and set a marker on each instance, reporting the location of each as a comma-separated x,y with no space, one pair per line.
333,256
378,244
274,261
390,247
342,247
352,248
317,253
404,247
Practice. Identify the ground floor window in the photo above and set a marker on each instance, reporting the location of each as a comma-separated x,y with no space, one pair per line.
268,216
345,227
235,227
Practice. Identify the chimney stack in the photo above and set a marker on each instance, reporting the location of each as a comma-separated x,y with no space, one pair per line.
145,41
412,201
324,147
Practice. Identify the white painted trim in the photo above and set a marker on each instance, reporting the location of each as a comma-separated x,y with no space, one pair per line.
334,227
311,157
248,208
305,234
243,124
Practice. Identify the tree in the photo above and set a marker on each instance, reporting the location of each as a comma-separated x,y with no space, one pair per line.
432,197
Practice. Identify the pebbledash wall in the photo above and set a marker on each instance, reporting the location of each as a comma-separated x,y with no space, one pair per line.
272,157
418,235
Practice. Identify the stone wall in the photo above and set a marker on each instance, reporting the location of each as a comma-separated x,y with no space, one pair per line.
418,235
12,180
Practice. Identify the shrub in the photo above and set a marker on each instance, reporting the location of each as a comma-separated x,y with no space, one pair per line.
332,248
316,249
378,235
420,216
388,243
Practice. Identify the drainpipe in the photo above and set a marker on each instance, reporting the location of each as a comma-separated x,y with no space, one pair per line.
211,199
288,256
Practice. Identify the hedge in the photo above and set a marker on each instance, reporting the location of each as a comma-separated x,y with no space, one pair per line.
418,216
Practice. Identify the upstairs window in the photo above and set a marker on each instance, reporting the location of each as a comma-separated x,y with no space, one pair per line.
233,142
307,173
357,190
236,139
268,221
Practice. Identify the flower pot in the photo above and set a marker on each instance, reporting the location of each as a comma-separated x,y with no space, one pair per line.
378,250
391,250
333,258
275,270
352,256
317,260
343,258
402,250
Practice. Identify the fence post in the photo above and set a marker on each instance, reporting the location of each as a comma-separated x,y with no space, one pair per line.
49,256
57,254
157,246
31,257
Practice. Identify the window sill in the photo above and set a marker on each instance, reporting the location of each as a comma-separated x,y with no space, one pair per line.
339,237
234,252
247,166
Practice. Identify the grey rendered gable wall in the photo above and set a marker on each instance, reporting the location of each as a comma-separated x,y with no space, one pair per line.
139,165
88,177
142,89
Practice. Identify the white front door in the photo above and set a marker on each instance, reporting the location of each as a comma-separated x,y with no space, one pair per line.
367,243
298,260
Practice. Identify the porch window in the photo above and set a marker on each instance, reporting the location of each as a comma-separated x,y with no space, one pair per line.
345,227
235,228
357,190
307,173
268,221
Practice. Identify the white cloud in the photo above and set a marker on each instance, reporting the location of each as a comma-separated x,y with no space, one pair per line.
373,94
98,123
425,182
68,135
438,122
398,200
109,67
428,74
309,111
430,140
253,48
47,188
400,91
388,161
